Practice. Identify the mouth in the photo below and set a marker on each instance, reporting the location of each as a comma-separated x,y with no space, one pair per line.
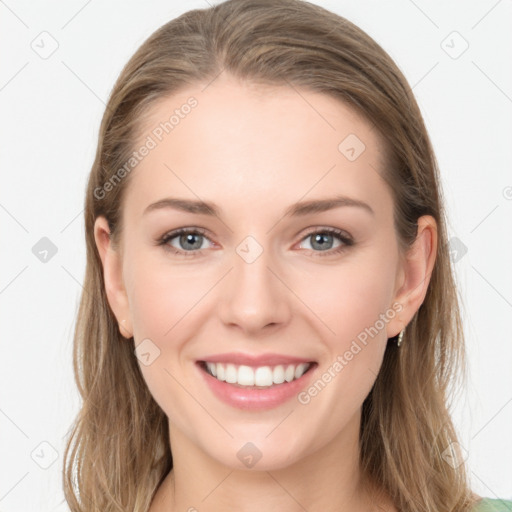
256,377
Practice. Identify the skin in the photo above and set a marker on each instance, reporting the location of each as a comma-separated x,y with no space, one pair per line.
254,151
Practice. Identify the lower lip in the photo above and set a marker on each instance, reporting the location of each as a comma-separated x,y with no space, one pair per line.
253,398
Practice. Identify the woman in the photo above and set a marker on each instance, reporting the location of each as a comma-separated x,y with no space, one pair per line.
299,354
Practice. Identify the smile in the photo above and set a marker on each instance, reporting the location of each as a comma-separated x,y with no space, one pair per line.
256,388
259,377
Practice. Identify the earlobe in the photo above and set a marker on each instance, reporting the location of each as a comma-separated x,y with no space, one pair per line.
122,329
417,270
113,276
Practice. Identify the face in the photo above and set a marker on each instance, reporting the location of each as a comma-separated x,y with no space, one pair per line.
254,279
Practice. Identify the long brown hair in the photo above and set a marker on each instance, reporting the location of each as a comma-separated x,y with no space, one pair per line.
118,451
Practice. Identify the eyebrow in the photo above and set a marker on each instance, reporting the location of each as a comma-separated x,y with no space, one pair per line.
295,210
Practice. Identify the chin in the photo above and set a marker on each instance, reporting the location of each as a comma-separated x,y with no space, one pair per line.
257,453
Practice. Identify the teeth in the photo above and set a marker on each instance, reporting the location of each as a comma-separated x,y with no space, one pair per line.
231,374
278,374
213,368
263,376
289,373
245,376
220,372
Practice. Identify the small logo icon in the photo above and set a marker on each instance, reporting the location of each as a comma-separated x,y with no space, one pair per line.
249,454
454,45
351,147
146,352
45,45
44,455
44,250
249,249
451,454
457,249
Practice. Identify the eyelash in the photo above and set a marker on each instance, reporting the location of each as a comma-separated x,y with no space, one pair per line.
344,238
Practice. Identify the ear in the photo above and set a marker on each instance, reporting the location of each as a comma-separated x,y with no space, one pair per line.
112,271
414,273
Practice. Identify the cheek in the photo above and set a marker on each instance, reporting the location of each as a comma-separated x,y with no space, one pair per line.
355,304
166,303
350,297
162,305
161,296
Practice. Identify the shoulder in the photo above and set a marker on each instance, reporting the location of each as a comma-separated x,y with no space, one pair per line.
493,505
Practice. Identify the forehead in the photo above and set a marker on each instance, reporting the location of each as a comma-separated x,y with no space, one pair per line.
235,141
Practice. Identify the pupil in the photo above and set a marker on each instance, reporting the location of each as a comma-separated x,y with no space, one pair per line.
189,238
320,239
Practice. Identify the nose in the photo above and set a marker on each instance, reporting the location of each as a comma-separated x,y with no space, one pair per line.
253,298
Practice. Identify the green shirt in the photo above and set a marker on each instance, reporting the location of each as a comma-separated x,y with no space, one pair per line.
493,505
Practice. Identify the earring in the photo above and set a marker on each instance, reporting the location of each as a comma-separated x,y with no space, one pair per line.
400,337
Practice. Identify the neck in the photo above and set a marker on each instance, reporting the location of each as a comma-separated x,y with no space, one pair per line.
328,480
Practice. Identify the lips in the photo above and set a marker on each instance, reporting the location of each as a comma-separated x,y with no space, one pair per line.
267,359
234,382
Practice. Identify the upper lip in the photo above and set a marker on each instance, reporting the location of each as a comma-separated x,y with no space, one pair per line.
267,359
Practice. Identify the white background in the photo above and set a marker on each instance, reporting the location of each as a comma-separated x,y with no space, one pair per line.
51,111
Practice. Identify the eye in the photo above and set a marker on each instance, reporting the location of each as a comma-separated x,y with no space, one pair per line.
323,240
187,238
190,241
